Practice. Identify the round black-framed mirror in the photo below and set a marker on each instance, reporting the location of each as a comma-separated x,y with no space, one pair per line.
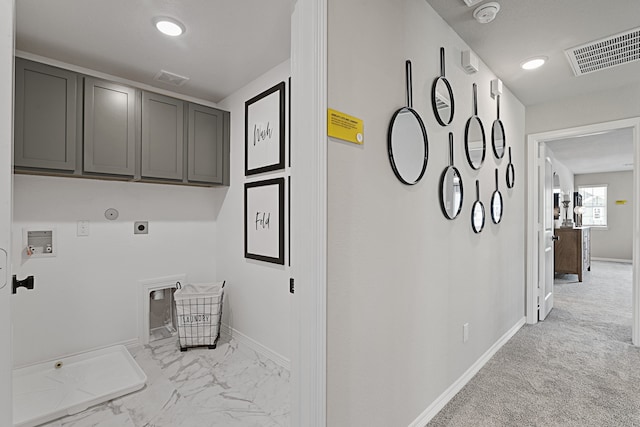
498,138
477,212
407,141
497,204
451,188
442,99
474,139
511,172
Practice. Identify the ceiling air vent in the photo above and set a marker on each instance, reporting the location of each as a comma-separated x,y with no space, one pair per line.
170,78
605,53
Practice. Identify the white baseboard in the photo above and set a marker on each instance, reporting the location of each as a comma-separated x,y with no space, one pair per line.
624,261
433,409
254,345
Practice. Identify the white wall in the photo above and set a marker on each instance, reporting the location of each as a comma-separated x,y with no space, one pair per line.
402,279
564,174
596,107
616,241
7,25
86,297
257,294
566,182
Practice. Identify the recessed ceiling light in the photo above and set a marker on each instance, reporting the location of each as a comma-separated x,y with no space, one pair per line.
533,63
169,26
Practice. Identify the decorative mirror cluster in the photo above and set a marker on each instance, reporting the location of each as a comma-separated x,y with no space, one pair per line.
442,96
497,134
511,172
408,145
474,140
408,148
477,212
451,190
496,203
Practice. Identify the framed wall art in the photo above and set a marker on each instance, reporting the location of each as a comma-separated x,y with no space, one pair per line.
264,220
265,131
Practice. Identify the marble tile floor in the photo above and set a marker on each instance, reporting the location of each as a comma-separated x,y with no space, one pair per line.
225,387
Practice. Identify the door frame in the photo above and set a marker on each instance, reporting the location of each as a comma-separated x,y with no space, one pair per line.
7,37
533,142
309,212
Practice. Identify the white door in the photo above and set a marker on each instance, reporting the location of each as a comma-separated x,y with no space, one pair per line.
545,227
6,156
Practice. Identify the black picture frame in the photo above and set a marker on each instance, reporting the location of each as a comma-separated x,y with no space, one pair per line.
264,115
261,241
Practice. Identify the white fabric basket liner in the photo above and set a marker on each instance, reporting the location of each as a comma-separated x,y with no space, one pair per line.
199,290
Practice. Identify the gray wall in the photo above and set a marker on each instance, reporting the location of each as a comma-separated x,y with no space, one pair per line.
616,241
402,279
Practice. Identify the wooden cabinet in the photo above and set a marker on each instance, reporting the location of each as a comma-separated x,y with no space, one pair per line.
109,128
45,116
208,147
162,136
572,251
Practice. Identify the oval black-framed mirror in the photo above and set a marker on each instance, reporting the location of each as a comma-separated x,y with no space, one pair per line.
407,141
497,204
498,138
477,212
451,189
474,140
442,96
511,172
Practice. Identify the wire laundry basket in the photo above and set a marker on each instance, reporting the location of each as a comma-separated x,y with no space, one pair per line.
199,314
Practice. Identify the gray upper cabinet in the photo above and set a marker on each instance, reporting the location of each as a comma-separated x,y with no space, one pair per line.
162,136
109,128
45,116
208,145
71,124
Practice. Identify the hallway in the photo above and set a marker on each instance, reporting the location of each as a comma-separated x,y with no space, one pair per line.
577,368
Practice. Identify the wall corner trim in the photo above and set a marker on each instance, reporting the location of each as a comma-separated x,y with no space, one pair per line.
435,407
250,343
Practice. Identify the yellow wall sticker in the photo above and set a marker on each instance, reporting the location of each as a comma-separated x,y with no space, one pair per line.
345,127
621,202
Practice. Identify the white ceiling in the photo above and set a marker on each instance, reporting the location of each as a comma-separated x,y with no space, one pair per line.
226,45
524,29
595,153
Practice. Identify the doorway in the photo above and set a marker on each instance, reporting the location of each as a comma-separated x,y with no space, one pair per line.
535,281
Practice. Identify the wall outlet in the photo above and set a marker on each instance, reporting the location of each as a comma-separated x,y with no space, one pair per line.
465,332
83,228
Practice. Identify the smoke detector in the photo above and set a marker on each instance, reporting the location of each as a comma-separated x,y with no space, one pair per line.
487,12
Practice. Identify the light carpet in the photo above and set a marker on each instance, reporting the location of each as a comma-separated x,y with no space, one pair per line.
577,368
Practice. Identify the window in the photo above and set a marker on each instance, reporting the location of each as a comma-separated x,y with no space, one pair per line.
594,201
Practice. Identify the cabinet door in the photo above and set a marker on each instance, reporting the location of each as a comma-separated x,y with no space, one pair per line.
207,147
162,136
45,116
109,128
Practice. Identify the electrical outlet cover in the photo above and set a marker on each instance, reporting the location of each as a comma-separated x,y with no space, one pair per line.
141,227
